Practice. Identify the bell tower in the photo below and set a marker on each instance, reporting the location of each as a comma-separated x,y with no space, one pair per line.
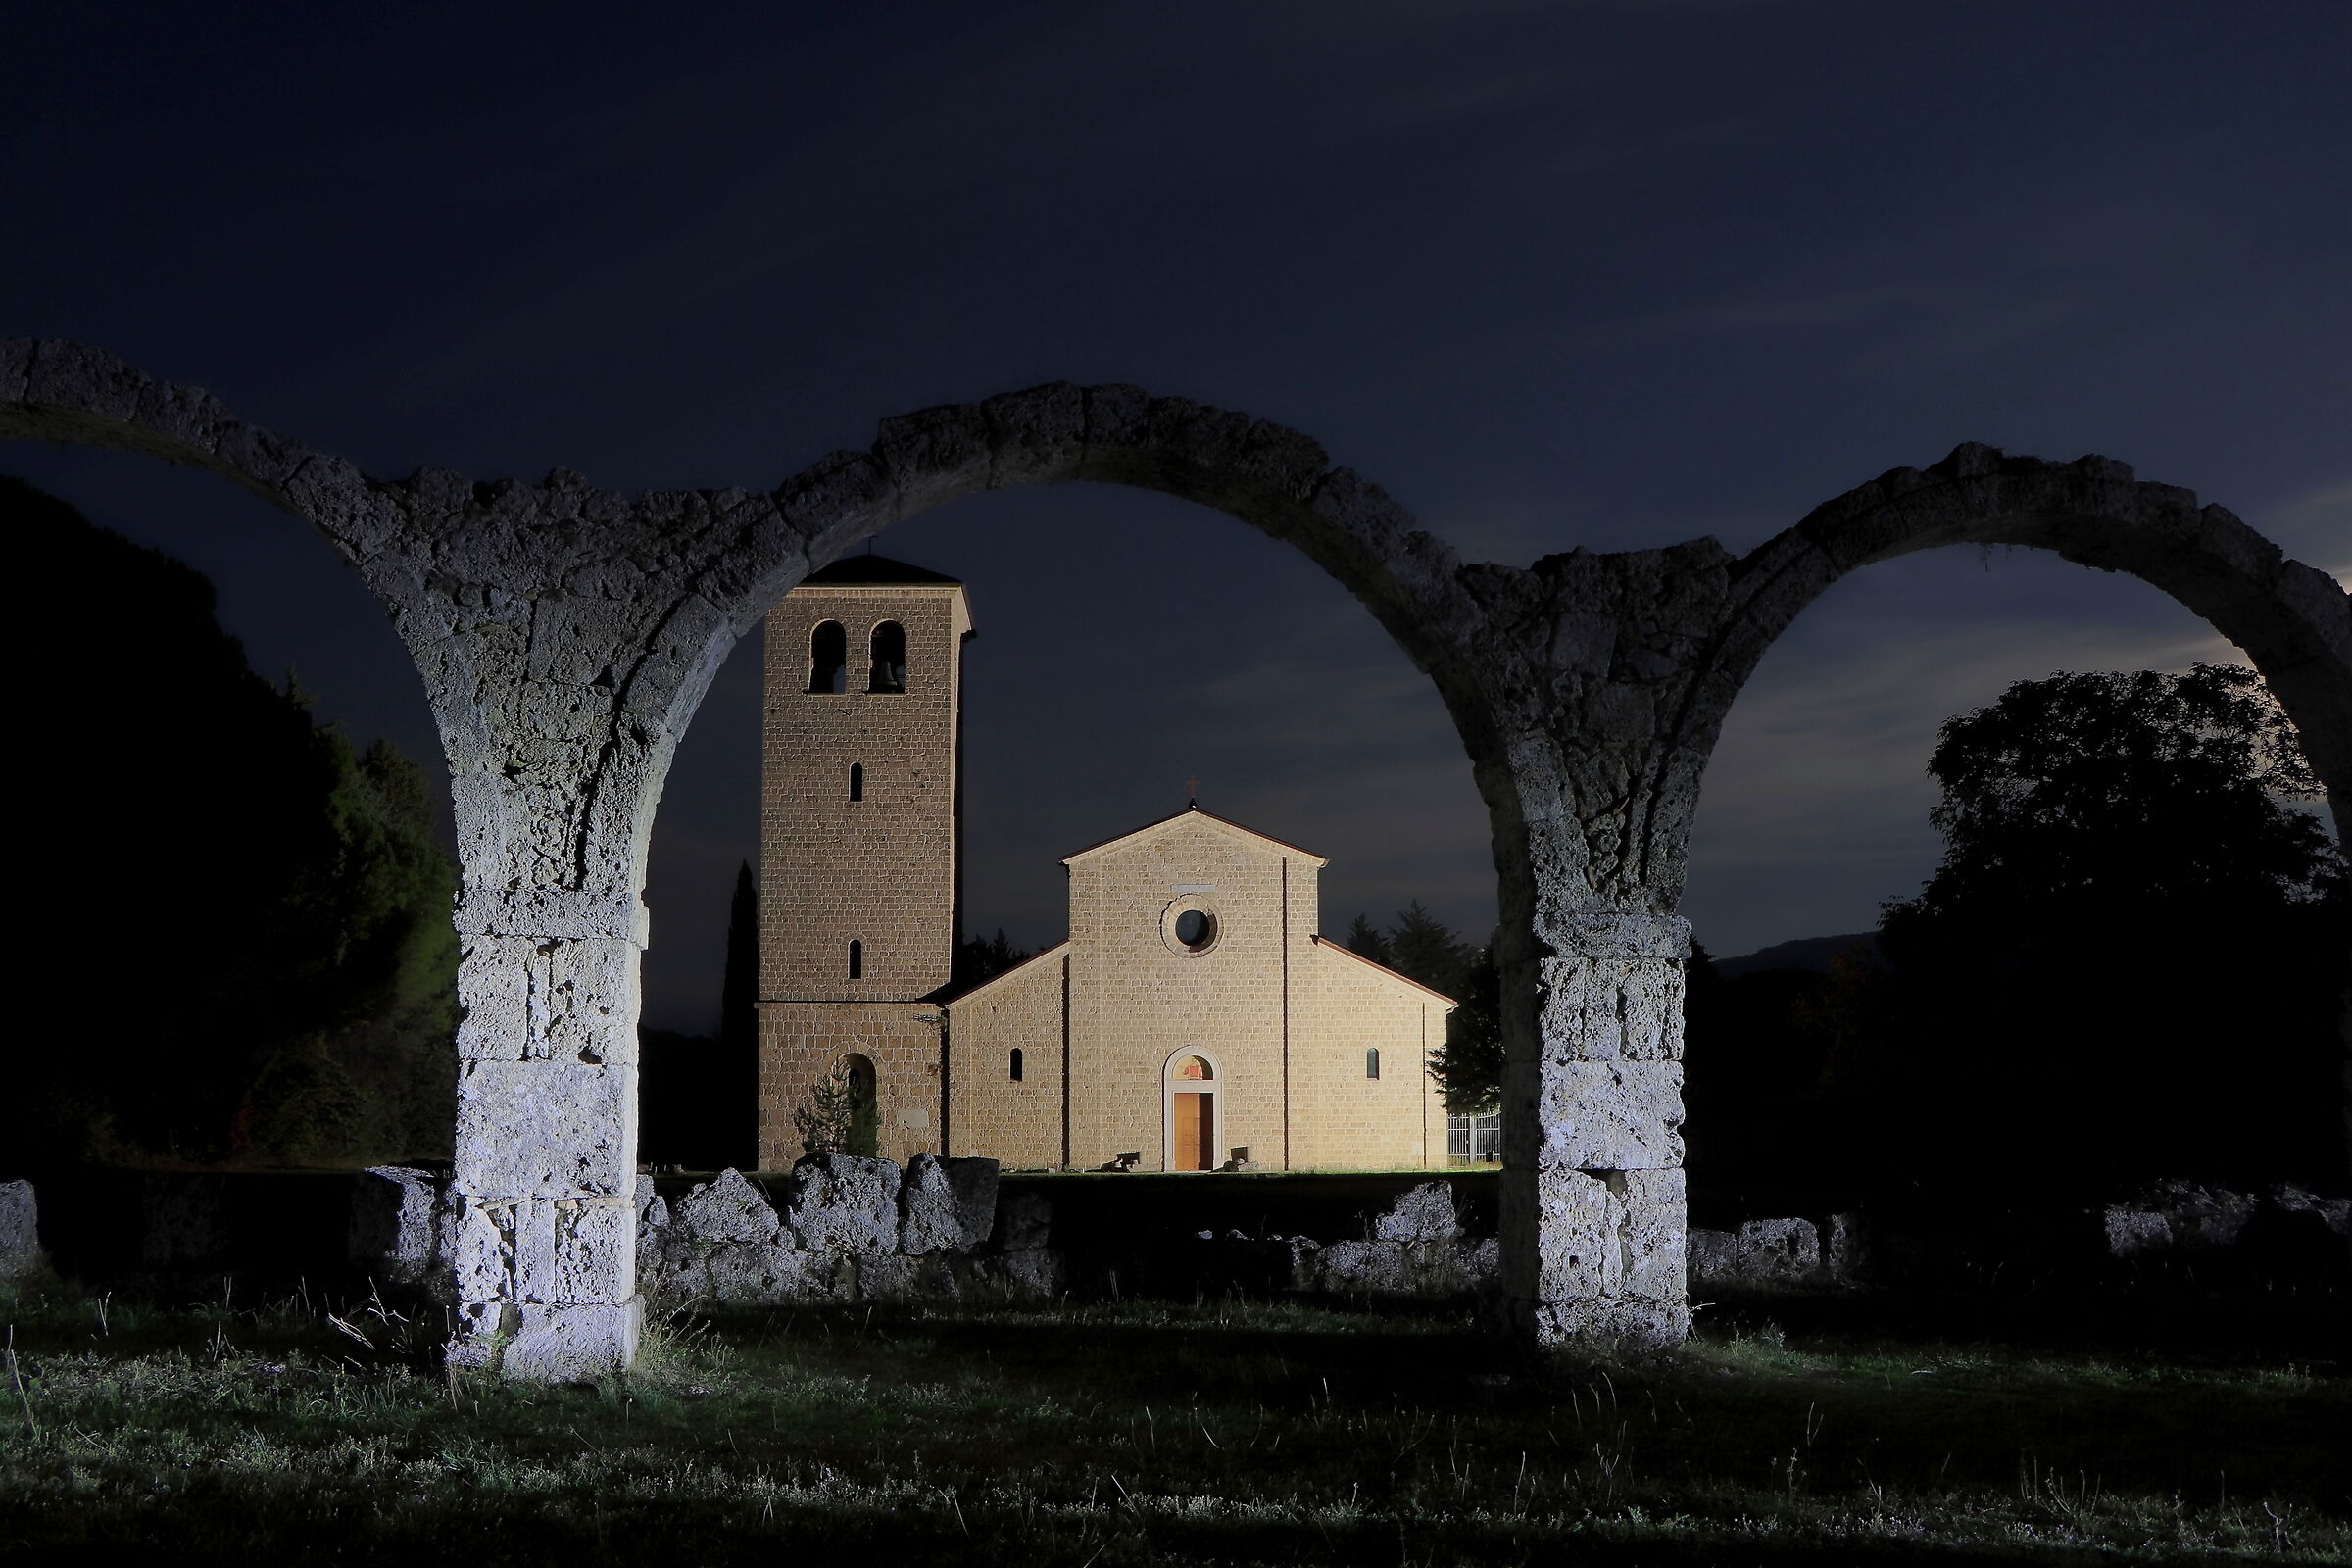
859,799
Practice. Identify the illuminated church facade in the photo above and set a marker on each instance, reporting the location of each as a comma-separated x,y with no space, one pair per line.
1193,1018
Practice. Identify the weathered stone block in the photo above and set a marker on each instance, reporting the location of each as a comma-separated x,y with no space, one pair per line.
1650,1229
1423,1213
729,1208
931,1218
549,999
596,1251
20,1228
482,1249
1779,1249
1613,1010
560,1344
1368,1268
843,1203
974,1181
1714,1255
1618,1321
760,1274
395,1222
1610,1115
546,1129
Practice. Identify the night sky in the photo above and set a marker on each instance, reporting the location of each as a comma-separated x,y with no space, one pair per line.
1554,274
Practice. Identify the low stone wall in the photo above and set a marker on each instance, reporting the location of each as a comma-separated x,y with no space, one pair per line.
1787,1252
848,1229
20,1230
2189,1216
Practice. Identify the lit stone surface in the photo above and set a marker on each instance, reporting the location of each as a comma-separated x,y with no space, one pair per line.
566,633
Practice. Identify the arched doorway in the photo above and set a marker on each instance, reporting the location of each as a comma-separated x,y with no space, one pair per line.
1193,1112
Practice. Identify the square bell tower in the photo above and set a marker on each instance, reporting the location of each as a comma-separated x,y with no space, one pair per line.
859,806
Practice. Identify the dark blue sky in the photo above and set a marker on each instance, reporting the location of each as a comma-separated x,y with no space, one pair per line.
1610,274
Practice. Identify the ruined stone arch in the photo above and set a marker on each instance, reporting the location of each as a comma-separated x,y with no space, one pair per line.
566,634
2294,621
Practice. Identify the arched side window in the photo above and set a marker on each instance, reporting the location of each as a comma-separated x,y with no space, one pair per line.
857,781
890,659
828,658
856,960
858,1105
1016,1065
1371,1061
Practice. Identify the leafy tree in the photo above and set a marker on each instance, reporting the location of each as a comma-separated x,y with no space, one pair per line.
2130,959
842,1116
1467,1066
246,950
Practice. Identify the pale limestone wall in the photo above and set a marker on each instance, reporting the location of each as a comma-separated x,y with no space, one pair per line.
800,1041
1136,1000
1017,1124
881,869
1343,1005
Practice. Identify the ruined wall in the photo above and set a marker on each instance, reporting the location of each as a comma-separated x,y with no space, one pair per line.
566,633
987,1112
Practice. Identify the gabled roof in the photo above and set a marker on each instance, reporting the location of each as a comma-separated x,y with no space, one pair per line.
1346,951
994,980
1194,815
877,571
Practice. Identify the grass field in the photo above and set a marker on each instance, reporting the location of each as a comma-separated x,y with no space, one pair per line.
1143,1433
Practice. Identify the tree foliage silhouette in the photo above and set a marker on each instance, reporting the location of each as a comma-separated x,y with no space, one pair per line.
245,948
2130,959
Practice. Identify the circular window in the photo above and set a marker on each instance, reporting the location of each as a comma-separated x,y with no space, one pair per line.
1189,927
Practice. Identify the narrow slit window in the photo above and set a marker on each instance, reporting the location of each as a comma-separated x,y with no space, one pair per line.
828,658
889,672
857,781
1016,1065
856,960
1372,1062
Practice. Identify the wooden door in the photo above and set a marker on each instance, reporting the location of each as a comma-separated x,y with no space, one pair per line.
1194,1131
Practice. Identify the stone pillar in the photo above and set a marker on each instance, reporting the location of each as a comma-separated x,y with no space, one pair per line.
543,1222
1593,1203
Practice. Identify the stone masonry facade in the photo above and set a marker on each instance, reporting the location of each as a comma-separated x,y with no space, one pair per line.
565,633
865,857
1321,1058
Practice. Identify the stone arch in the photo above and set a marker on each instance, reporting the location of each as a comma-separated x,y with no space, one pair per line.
2294,621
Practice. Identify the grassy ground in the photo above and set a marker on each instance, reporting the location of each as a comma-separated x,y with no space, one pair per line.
1141,1433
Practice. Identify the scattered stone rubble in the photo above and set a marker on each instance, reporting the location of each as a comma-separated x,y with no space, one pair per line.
1779,1252
850,1229
2169,1215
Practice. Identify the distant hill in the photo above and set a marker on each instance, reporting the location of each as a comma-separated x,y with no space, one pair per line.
1805,952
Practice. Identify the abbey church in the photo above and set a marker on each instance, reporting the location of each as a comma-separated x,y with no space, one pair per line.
1193,1018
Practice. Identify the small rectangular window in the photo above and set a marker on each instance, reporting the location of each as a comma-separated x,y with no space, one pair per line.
857,781
1016,1065
1372,1062
856,960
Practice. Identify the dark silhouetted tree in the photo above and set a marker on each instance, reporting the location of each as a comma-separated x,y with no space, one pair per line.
244,949
2130,959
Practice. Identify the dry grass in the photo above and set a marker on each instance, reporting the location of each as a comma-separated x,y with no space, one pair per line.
1142,1433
